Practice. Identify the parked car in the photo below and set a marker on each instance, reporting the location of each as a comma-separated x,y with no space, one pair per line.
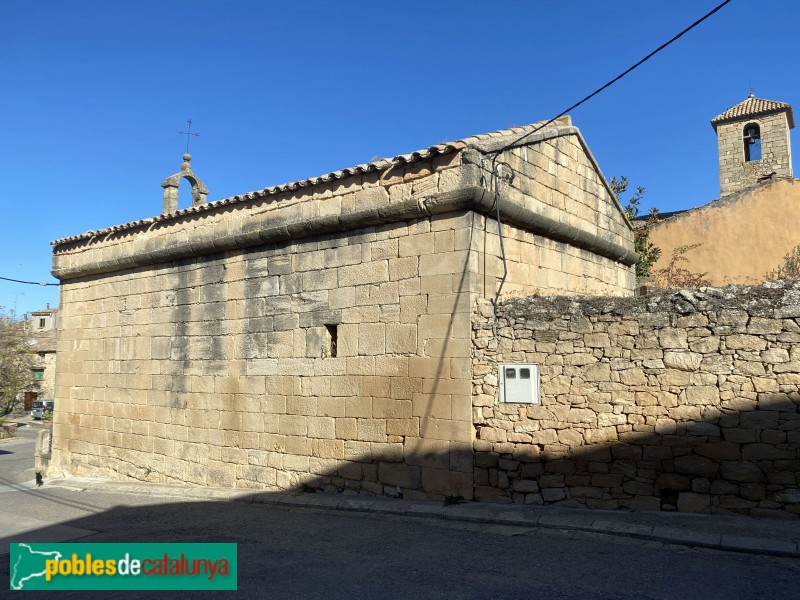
41,408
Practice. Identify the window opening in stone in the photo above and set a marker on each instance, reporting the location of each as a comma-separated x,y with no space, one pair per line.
752,142
41,323
511,373
38,374
333,339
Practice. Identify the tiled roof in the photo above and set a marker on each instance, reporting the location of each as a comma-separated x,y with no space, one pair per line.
44,341
485,142
752,107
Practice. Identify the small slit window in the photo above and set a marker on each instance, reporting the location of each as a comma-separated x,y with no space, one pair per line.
333,340
752,142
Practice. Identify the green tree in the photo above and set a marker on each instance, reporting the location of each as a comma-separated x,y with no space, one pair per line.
16,360
647,251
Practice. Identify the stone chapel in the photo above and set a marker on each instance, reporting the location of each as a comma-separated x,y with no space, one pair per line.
318,332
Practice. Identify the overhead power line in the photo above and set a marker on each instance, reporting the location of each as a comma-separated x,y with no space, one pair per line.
27,282
618,77
497,153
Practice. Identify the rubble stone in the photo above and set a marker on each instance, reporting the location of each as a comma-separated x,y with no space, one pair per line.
667,400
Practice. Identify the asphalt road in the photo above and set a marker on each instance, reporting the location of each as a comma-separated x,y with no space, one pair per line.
305,553
16,456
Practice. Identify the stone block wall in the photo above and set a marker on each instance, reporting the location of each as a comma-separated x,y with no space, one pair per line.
537,264
686,400
557,180
325,360
734,173
220,370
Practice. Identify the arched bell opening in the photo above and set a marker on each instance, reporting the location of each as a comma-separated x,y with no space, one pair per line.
172,186
752,142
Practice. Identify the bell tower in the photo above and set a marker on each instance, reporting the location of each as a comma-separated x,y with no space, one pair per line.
754,143
173,182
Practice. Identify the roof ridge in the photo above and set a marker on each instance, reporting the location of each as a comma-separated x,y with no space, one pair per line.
382,164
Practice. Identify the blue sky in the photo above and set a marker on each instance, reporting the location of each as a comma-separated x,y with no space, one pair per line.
94,94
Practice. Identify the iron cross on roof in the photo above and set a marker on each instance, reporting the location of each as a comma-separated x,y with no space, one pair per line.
188,134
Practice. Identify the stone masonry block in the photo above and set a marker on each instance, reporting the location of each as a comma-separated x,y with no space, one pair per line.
403,268
321,427
371,272
346,429
292,425
416,245
405,427
401,475
371,339
401,338
391,408
391,366
443,264
359,407
371,430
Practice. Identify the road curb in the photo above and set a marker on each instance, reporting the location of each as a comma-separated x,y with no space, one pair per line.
599,522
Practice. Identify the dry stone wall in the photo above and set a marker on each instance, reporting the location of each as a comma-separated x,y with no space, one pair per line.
683,400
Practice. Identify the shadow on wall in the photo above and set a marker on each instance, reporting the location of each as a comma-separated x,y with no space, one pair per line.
744,462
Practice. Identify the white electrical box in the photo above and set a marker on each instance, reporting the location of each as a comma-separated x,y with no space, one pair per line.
519,383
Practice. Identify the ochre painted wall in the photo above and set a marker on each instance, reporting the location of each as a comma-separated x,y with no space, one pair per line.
743,236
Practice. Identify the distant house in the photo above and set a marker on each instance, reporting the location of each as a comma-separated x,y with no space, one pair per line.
755,222
42,326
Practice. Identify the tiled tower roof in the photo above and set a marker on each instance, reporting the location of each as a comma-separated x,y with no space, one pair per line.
752,107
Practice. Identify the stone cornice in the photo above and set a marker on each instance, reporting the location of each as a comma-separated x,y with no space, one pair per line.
242,227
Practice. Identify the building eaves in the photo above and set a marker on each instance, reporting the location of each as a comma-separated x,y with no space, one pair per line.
729,200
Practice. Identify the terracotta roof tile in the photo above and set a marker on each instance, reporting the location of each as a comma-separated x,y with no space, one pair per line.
44,341
752,107
483,142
